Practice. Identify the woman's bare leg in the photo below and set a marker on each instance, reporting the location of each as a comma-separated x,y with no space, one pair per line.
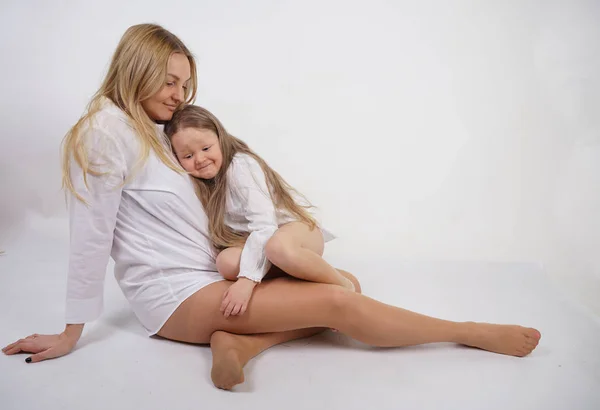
231,352
285,304
298,251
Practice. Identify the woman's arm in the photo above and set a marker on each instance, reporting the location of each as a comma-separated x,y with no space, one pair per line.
92,226
73,332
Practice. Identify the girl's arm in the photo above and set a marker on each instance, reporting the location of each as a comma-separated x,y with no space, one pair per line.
250,183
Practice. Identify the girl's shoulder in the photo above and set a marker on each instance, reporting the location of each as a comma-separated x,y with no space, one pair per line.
242,164
244,170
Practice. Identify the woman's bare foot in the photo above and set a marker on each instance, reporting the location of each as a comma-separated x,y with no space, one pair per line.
228,360
504,339
231,352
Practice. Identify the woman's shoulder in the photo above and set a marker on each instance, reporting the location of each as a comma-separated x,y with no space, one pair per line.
111,120
109,129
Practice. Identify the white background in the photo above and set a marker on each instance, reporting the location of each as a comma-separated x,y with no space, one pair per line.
427,130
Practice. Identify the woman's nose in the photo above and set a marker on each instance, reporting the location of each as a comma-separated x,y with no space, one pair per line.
178,95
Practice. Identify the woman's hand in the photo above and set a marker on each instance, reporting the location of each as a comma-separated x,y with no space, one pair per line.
236,298
46,346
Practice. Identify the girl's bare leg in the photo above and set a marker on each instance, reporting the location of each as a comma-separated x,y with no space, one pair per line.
228,262
231,352
284,304
298,250
294,249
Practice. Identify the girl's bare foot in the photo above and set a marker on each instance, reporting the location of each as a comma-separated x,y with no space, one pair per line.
504,339
347,283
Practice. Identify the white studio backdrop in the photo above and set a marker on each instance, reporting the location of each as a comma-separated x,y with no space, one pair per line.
438,130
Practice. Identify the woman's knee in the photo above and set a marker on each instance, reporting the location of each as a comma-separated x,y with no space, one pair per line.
339,300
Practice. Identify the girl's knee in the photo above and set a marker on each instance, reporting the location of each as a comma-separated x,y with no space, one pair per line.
228,265
279,251
230,274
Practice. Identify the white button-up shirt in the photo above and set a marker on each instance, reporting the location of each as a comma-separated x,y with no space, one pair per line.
249,208
147,218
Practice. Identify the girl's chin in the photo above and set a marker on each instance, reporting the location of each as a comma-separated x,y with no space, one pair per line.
202,175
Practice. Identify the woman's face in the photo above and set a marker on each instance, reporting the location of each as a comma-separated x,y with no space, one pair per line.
160,106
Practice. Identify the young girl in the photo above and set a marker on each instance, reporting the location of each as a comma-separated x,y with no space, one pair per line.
255,221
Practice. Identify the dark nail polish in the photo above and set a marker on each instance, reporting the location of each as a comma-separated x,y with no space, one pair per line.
28,360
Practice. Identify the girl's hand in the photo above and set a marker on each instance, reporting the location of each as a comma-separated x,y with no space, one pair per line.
43,346
236,298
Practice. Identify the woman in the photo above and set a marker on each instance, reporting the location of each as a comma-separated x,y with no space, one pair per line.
132,201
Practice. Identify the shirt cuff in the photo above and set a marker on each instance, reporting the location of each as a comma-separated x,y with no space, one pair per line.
253,278
258,275
83,310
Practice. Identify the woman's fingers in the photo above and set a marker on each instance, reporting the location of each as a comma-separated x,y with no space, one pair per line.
46,354
8,347
23,345
12,345
12,350
19,342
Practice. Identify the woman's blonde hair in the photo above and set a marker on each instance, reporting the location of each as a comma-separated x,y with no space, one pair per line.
212,193
137,71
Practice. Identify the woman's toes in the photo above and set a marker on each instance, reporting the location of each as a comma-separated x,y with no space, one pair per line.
533,333
528,348
531,342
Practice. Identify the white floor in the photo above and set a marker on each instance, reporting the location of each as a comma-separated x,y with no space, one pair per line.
117,366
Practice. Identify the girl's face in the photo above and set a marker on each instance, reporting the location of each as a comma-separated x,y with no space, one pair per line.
198,152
